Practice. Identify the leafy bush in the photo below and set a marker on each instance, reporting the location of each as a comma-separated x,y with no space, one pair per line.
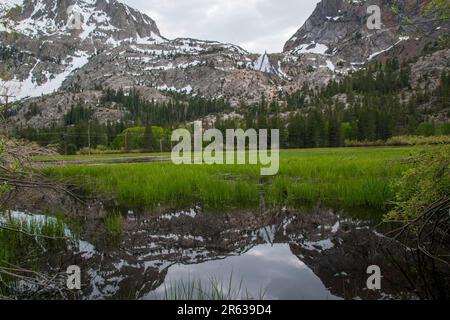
423,184
423,213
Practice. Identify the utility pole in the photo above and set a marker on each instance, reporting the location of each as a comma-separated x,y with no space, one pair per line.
65,143
3,111
89,137
160,145
6,97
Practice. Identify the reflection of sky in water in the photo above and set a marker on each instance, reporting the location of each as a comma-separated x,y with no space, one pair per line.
273,269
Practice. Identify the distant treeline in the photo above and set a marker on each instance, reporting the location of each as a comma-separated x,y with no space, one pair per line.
367,106
179,109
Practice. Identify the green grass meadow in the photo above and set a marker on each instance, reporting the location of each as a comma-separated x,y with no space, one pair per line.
343,177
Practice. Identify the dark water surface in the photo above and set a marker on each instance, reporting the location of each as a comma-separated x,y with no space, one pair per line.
265,271
317,254
314,254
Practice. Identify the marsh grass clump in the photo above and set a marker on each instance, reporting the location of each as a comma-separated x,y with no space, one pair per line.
114,224
213,290
18,235
23,241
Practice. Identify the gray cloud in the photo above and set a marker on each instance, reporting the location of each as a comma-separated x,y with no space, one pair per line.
256,25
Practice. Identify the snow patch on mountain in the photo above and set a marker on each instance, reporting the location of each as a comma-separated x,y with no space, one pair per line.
373,55
28,88
153,39
186,90
281,73
330,65
7,5
314,48
263,64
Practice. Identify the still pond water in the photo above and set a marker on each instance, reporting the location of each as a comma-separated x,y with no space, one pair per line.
315,254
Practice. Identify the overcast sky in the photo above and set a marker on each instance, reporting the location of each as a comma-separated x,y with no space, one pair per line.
256,25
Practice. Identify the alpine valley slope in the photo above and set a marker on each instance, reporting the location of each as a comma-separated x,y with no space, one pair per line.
48,66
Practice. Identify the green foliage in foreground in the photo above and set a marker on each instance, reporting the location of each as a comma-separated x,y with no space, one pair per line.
352,177
422,211
422,185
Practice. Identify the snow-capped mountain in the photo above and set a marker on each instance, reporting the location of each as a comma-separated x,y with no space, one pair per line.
62,52
50,39
106,20
339,29
117,46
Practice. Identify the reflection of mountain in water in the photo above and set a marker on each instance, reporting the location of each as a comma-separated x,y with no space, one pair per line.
316,255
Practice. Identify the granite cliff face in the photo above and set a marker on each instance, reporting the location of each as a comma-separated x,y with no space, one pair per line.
340,28
48,62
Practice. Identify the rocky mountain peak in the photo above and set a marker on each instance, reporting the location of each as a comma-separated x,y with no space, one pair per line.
54,38
107,20
339,28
